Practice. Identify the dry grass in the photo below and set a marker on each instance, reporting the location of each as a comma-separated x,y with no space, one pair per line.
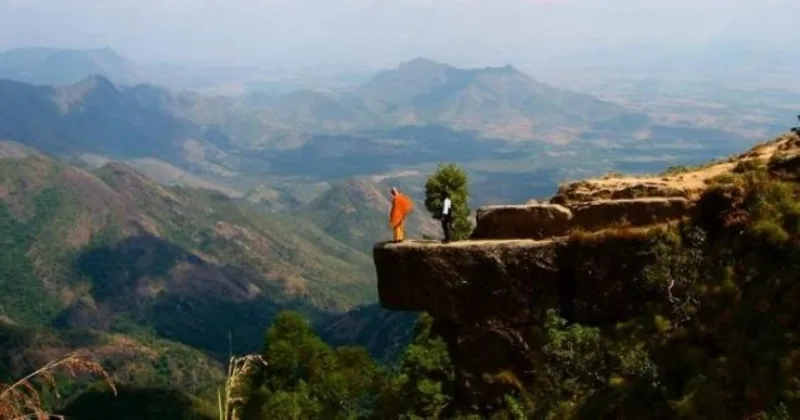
676,181
613,175
234,395
23,399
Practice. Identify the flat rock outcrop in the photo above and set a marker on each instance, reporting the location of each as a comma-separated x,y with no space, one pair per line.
604,214
454,281
489,298
530,221
512,281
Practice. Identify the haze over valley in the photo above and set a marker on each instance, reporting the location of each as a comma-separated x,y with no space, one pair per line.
505,126
167,188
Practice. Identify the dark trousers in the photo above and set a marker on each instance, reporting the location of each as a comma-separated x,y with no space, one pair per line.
447,222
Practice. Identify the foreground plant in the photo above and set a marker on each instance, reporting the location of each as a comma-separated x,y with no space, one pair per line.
243,375
23,399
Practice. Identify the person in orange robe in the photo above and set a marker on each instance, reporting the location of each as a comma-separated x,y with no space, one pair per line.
401,207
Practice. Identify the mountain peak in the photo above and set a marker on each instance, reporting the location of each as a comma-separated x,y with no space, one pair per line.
97,80
93,84
507,69
108,51
421,67
425,64
421,63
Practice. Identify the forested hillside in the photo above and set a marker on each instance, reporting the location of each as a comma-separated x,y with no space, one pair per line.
156,281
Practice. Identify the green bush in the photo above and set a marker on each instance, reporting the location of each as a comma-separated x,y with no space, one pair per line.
450,178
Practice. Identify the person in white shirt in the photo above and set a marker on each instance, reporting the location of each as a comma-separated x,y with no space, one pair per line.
796,130
447,216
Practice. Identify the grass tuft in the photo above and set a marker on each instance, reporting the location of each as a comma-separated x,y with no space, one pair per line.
23,399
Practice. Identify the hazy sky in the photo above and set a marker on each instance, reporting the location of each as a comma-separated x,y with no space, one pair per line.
374,31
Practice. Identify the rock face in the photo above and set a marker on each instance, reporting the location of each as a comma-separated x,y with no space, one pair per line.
455,281
541,221
489,298
513,281
534,221
583,253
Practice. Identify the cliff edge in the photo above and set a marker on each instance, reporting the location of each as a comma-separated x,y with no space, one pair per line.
583,252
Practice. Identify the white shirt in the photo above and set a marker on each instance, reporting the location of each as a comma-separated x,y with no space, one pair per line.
446,206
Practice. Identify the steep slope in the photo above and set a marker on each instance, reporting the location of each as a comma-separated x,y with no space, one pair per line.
53,66
114,250
274,199
675,293
12,149
167,174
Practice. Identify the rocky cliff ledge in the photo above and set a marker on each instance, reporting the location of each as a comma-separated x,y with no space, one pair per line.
582,252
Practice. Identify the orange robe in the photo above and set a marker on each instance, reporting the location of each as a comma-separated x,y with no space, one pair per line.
401,207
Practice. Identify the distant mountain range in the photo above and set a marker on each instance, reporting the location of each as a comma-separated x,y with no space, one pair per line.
497,102
420,113
95,116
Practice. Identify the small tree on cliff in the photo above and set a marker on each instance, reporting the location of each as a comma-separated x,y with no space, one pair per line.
449,177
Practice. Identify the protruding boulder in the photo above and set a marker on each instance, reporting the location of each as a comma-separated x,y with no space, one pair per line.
544,221
606,214
529,221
